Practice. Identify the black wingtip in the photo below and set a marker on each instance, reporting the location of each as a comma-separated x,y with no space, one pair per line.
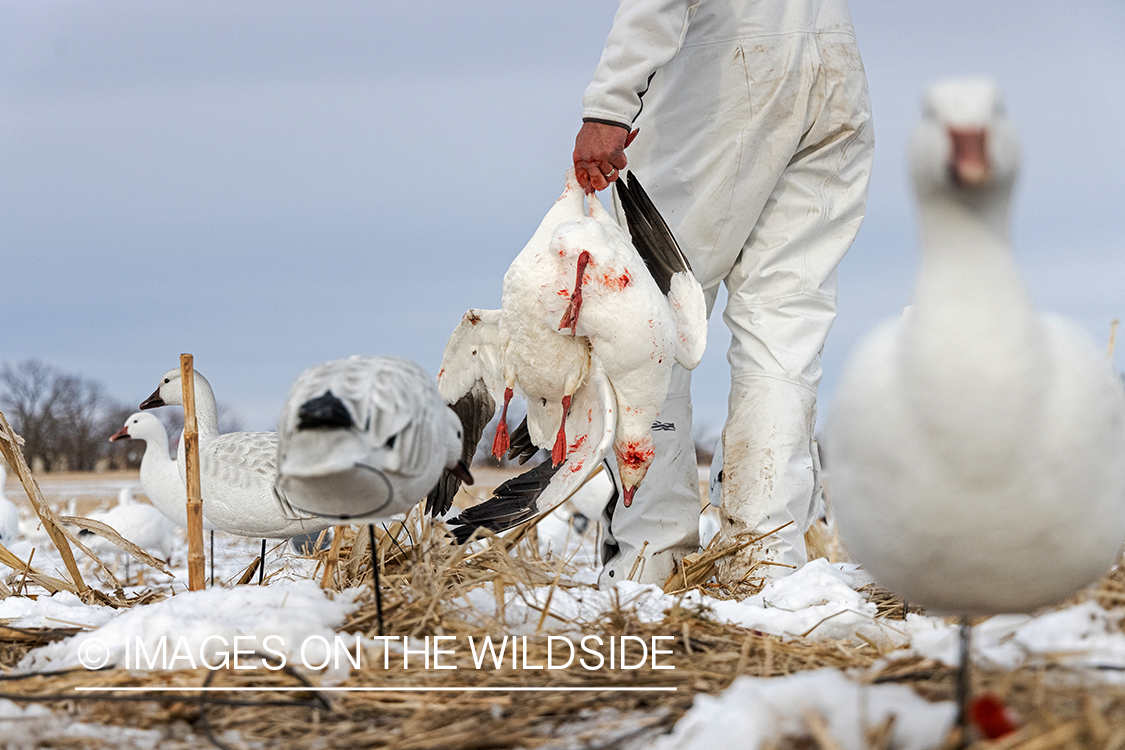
651,236
520,446
324,411
514,502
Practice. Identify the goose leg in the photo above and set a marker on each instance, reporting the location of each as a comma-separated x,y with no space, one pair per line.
502,441
262,564
558,453
375,575
570,317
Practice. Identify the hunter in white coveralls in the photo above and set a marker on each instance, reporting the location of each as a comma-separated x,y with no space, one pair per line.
755,143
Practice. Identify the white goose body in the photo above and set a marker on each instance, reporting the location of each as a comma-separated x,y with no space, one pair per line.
160,476
578,300
536,360
236,470
143,525
977,447
365,438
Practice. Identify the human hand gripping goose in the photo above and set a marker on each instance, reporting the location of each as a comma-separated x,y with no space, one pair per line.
977,446
363,439
236,470
590,326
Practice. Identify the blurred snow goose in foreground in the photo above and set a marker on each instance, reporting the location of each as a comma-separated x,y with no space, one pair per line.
977,447
236,470
363,439
587,315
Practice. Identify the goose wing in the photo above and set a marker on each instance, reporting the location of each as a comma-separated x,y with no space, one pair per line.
470,381
591,422
669,267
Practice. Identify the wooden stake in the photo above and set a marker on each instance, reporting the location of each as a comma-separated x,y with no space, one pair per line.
1112,340
197,571
13,454
328,579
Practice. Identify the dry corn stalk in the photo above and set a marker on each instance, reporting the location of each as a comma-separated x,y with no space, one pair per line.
13,454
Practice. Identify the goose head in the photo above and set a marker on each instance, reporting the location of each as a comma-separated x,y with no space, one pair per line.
965,149
170,392
140,425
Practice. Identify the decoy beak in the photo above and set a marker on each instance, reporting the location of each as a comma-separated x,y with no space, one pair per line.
153,401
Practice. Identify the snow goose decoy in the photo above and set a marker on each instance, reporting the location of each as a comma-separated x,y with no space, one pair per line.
160,477
363,439
9,515
587,314
142,524
236,470
977,447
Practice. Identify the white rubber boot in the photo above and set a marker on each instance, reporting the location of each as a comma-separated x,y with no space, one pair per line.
769,477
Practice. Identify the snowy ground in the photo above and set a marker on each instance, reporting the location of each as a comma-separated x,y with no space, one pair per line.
820,602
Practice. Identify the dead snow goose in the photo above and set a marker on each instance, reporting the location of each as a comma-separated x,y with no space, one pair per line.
582,304
978,447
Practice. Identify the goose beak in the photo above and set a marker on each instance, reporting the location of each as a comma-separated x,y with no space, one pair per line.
122,434
627,495
153,401
968,164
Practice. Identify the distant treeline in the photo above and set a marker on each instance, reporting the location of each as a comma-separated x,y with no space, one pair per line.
66,420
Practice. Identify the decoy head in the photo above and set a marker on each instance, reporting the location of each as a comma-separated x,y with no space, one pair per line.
168,393
324,411
139,426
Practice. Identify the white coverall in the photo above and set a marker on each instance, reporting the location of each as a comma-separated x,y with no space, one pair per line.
755,144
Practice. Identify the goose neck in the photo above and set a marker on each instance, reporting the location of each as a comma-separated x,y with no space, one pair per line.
206,410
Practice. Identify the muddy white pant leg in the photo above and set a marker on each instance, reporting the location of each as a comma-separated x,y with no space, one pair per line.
768,479
662,524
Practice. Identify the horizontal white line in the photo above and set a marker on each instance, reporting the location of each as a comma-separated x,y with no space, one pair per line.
374,689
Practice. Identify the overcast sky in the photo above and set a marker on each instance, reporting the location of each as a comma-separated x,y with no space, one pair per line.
272,184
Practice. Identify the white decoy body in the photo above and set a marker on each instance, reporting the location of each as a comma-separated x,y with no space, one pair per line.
587,315
9,514
977,447
160,477
140,523
364,438
236,469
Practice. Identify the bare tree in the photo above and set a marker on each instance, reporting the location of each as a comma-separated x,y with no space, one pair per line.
64,419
